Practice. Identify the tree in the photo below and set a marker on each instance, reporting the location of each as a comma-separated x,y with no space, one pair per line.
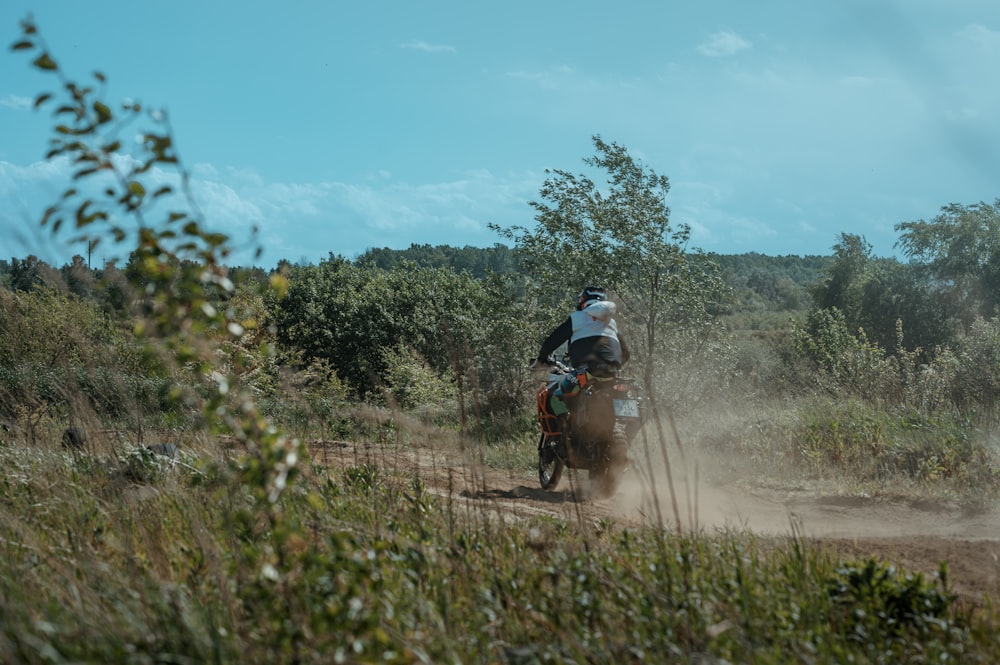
32,273
895,298
882,297
960,251
78,277
842,286
622,238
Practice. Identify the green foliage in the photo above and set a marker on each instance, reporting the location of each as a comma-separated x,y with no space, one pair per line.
356,318
477,261
31,273
869,443
876,598
622,238
877,296
368,566
964,377
960,251
841,358
895,296
770,283
953,278
841,287
412,385
976,367
60,351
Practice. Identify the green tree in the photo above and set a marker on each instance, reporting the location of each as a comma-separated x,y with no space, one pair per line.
32,273
960,251
623,239
891,305
79,278
844,279
352,316
899,311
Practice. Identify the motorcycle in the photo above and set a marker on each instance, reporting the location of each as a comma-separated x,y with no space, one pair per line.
603,418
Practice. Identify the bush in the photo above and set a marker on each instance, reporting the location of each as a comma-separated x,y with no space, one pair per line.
412,385
977,371
865,442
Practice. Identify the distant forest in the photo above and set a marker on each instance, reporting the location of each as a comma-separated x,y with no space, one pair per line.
759,283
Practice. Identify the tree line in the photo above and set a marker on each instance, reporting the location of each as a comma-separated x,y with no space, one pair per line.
465,320
453,328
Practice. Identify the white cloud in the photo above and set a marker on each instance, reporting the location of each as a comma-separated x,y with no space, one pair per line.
961,115
547,79
723,43
296,221
420,45
17,102
981,36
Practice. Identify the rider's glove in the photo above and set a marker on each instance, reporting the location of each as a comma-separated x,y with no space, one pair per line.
540,367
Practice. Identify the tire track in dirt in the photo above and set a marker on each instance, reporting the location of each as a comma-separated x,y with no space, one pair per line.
914,536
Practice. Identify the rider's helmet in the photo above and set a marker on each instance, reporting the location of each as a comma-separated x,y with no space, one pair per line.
589,295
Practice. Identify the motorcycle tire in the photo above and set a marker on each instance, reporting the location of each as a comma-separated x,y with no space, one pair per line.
550,465
606,476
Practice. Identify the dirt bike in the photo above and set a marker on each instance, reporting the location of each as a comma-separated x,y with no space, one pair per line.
603,418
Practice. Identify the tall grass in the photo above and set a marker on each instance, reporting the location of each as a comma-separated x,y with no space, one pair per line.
121,557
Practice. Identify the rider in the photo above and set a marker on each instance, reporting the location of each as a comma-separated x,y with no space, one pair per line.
596,349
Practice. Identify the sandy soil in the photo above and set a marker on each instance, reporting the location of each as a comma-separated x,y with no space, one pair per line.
914,536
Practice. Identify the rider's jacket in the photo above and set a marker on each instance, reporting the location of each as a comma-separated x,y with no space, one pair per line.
593,338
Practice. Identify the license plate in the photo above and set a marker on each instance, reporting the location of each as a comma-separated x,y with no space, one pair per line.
627,408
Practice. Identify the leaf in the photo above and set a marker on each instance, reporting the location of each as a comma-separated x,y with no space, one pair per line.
103,112
42,98
49,212
82,173
44,61
82,218
22,45
100,77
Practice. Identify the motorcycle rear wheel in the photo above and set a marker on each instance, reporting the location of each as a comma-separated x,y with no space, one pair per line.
550,465
607,475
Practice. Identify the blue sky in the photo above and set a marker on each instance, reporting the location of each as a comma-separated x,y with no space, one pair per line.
335,127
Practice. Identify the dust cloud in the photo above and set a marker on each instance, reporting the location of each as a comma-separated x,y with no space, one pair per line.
692,498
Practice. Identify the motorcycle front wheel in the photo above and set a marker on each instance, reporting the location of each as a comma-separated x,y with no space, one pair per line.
550,465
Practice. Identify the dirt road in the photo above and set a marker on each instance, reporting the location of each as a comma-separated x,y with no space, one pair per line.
914,536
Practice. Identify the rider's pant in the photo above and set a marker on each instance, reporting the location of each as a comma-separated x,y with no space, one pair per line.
566,389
